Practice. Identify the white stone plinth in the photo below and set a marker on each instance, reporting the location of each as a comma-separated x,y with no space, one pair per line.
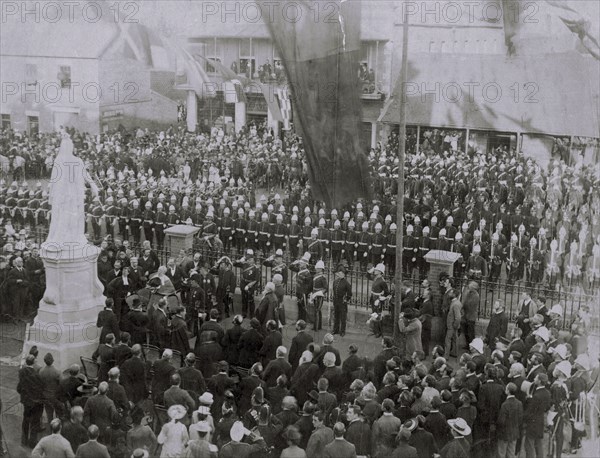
66,321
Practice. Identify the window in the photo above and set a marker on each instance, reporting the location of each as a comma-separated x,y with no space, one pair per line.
213,50
33,125
444,48
432,46
64,76
247,60
31,77
5,121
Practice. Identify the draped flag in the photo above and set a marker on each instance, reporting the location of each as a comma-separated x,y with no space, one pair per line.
285,106
269,96
578,24
516,16
229,75
320,57
196,76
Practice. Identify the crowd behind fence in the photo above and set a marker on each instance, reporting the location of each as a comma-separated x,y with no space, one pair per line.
511,295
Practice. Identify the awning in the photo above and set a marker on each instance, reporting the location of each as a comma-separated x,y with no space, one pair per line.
552,94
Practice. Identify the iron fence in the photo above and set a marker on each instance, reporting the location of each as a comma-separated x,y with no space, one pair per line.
511,296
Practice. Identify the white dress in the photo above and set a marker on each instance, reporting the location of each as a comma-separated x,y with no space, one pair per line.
173,437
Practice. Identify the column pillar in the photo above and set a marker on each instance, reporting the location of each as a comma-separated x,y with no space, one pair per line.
192,111
180,237
273,123
439,262
240,115
373,134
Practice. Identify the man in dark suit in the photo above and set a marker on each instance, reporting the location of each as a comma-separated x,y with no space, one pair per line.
148,263
116,392
67,389
328,347
213,325
175,274
379,364
510,422
118,288
491,396
100,410
273,340
106,353
107,320
176,395
191,378
137,322
248,385
299,343
17,281
340,447
133,376
219,384
276,367
179,332
305,378
342,293
163,369
30,388
534,416
358,432
123,350
92,449
159,324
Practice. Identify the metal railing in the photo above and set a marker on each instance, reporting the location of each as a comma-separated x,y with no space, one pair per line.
510,295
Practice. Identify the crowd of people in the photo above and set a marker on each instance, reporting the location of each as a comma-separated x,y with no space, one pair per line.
239,391
500,211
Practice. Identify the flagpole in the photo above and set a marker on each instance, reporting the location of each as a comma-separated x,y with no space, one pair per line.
401,154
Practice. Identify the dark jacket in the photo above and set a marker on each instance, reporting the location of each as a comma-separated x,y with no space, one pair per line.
163,369
107,320
535,412
230,344
133,379
268,351
299,344
249,347
491,396
275,368
510,420
304,380
424,442
359,433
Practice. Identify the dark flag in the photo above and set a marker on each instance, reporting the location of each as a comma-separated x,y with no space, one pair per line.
320,56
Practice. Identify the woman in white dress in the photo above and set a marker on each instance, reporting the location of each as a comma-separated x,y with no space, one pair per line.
174,435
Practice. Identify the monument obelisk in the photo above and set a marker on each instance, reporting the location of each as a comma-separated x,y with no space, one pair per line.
65,324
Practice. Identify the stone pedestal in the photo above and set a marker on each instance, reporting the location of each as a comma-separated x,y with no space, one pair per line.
180,237
66,321
439,262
